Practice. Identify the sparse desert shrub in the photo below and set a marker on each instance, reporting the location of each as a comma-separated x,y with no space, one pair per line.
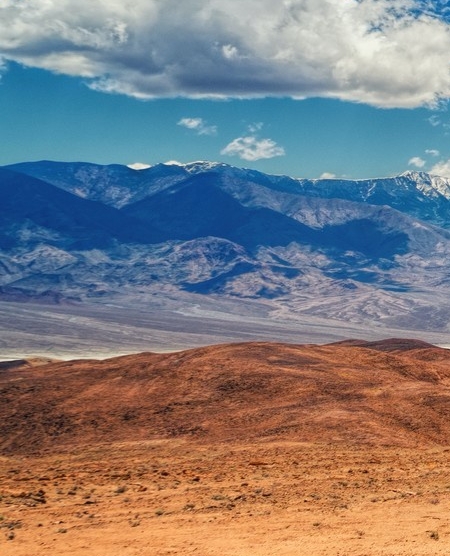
434,535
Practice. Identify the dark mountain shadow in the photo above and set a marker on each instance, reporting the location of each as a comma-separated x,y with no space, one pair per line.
84,224
197,207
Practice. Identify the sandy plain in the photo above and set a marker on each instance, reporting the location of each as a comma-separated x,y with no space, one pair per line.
100,330
172,498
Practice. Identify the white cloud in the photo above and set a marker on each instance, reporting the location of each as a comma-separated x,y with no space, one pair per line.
173,163
327,176
432,152
442,168
379,52
255,127
229,51
417,162
198,125
139,166
434,120
251,148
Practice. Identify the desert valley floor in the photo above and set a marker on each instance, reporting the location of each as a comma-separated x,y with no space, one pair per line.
237,449
173,497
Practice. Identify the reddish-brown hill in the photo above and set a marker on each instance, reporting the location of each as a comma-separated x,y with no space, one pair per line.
395,392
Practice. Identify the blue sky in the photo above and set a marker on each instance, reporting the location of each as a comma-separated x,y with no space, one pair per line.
346,88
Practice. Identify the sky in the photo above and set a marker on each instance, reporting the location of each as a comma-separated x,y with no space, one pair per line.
307,88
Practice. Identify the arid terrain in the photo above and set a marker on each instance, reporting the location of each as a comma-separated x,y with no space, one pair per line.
239,449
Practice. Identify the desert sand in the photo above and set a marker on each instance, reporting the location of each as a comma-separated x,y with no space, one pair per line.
242,449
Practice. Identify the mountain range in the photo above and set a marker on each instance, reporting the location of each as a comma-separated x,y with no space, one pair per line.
362,251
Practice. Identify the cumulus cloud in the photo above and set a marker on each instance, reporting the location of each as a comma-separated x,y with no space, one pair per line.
433,152
198,125
139,166
442,168
251,148
327,176
417,162
387,53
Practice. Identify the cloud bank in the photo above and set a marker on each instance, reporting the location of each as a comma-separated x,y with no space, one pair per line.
386,53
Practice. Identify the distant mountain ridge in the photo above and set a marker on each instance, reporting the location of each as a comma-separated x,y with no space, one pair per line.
419,194
360,250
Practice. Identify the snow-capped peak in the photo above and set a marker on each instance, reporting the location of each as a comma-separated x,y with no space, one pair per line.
203,166
429,184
